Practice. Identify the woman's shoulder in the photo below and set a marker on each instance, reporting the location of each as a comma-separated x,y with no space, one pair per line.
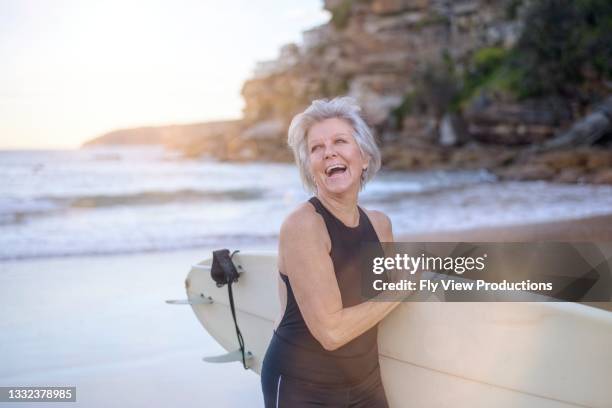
381,223
303,219
377,216
304,224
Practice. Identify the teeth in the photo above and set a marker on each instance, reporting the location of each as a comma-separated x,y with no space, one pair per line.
335,166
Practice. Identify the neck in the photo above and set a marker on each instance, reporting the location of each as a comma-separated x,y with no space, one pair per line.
343,206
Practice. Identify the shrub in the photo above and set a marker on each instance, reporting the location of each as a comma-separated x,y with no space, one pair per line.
341,14
561,42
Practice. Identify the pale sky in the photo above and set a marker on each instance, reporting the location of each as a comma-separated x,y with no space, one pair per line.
71,70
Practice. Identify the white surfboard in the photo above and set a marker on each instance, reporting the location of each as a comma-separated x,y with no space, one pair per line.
439,354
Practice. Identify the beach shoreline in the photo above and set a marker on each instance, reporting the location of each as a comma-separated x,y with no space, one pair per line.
596,228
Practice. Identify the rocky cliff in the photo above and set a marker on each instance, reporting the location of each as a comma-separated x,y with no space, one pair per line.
418,67
371,50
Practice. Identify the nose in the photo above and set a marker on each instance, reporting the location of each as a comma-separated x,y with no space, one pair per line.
330,150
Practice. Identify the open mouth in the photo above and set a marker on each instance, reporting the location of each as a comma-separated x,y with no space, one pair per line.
335,170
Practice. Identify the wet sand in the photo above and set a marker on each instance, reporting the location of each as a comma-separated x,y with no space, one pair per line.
101,324
591,229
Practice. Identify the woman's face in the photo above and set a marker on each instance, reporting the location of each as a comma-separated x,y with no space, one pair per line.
336,162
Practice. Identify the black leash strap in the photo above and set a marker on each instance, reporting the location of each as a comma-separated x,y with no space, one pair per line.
238,333
224,272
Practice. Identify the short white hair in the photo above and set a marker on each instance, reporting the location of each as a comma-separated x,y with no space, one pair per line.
345,108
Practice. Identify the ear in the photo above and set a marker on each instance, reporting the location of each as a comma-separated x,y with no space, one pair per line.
367,162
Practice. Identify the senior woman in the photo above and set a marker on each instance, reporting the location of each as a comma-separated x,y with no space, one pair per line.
324,350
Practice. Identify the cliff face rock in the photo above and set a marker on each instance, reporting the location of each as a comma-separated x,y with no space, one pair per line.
381,51
583,165
370,50
513,123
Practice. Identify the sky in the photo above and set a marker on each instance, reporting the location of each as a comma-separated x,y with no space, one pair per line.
72,70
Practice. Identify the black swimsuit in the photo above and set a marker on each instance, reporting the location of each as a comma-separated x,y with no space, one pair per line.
297,371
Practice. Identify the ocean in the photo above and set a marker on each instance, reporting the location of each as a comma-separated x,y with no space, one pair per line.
97,201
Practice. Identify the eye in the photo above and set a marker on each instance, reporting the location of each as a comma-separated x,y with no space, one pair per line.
340,141
313,148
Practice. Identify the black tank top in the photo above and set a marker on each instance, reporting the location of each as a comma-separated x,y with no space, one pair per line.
306,357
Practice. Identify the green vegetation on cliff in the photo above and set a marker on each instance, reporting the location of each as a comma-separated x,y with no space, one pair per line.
565,43
564,50
341,14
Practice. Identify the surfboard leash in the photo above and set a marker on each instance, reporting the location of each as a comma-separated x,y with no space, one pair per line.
224,272
238,333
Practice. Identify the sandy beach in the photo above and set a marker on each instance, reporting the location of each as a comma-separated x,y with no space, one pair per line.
101,324
593,229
